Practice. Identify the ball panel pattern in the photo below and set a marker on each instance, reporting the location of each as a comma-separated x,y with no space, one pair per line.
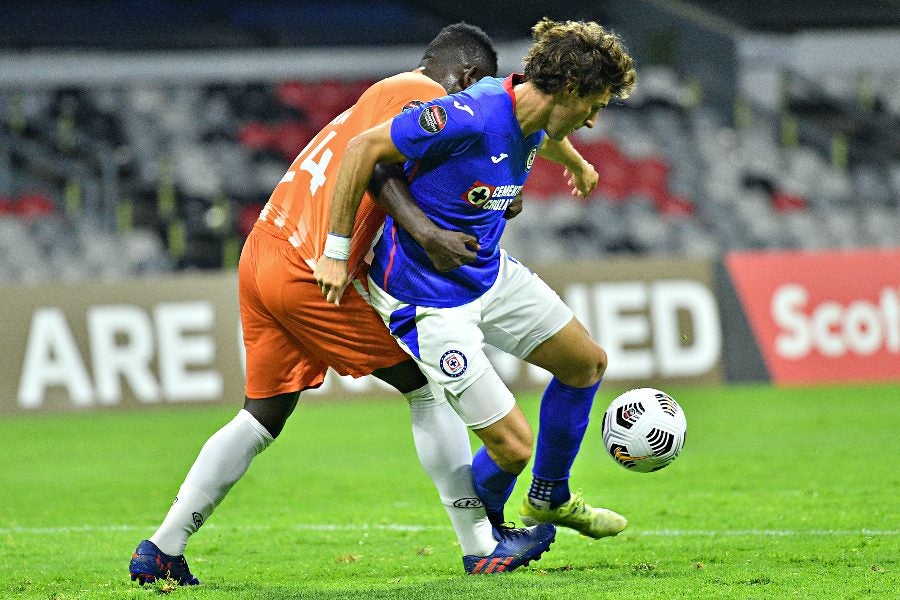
644,430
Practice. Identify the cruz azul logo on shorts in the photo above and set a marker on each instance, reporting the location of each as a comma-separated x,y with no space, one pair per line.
453,363
433,118
491,197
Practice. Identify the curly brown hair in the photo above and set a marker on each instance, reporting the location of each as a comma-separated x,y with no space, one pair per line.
581,53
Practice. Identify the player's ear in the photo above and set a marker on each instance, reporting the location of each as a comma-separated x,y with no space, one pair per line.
470,74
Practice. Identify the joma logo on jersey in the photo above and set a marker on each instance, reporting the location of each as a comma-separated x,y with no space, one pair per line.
491,197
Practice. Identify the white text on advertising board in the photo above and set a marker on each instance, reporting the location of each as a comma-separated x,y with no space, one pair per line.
860,327
125,342
637,325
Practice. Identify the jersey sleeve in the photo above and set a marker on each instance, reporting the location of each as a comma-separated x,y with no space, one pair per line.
404,92
439,128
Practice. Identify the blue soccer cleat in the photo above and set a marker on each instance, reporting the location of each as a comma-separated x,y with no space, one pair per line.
149,563
517,547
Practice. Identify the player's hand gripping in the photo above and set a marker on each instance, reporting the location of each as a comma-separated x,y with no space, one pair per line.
449,249
514,208
331,275
582,180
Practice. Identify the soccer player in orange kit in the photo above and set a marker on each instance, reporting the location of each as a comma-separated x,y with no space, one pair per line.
292,334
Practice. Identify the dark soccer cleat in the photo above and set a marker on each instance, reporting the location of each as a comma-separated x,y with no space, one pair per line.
518,546
149,563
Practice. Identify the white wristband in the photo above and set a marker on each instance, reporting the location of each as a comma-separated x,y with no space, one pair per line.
337,247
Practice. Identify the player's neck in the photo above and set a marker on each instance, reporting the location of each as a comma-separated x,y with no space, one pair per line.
532,107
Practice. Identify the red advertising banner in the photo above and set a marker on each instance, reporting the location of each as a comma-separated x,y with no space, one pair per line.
823,316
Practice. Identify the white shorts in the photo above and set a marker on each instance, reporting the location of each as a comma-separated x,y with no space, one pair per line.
517,314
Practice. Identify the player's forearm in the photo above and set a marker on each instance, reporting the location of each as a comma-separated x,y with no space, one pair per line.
391,192
562,152
360,157
353,177
582,175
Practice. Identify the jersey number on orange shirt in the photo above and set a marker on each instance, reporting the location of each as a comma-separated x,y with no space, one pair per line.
316,169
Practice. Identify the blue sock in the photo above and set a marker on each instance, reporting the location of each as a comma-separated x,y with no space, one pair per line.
565,411
492,484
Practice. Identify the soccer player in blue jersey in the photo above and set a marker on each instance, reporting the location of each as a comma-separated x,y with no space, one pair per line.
292,335
467,156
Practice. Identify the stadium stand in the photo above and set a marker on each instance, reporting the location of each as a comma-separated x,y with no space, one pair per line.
171,176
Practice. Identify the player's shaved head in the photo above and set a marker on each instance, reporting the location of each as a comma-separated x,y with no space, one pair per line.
459,55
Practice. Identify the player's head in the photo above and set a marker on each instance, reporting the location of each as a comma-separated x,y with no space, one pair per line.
582,66
458,56
578,53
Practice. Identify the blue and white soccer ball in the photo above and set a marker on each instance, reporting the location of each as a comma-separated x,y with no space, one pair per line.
644,430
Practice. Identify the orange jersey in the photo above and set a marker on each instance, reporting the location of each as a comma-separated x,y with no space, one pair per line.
300,206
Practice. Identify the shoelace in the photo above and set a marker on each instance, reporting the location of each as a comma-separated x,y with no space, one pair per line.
508,531
577,504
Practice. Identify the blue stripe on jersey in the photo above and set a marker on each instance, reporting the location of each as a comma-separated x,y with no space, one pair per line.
403,325
468,162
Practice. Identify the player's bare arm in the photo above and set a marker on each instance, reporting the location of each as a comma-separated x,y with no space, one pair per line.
362,154
446,249
513,210
582,175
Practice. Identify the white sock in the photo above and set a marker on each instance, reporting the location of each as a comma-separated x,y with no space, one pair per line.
223,460
442,443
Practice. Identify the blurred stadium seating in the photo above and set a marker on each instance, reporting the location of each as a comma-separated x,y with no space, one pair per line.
114,181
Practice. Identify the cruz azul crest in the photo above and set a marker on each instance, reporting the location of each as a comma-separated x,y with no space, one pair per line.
529,162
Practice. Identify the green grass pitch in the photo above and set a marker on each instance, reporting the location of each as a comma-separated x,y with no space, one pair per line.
779,493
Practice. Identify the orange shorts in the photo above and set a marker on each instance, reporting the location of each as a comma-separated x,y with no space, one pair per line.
291,334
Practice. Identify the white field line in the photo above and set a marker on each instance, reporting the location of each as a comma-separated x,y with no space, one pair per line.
417,528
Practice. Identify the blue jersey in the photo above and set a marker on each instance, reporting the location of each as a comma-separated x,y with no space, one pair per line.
468,162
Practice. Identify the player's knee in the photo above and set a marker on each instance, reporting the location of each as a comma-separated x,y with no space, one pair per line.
272,413
510,447
518,449
586,369
600,363
513,457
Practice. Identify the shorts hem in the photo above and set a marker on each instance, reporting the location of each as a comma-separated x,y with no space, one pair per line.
491,420
527,350
278,392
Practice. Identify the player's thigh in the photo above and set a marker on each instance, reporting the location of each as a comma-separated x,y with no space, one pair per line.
489,408
571,355
275,362
520,311
446,342
449,348
350,338
526,318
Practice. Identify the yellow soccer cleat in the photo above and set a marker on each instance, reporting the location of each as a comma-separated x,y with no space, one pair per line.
575,514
